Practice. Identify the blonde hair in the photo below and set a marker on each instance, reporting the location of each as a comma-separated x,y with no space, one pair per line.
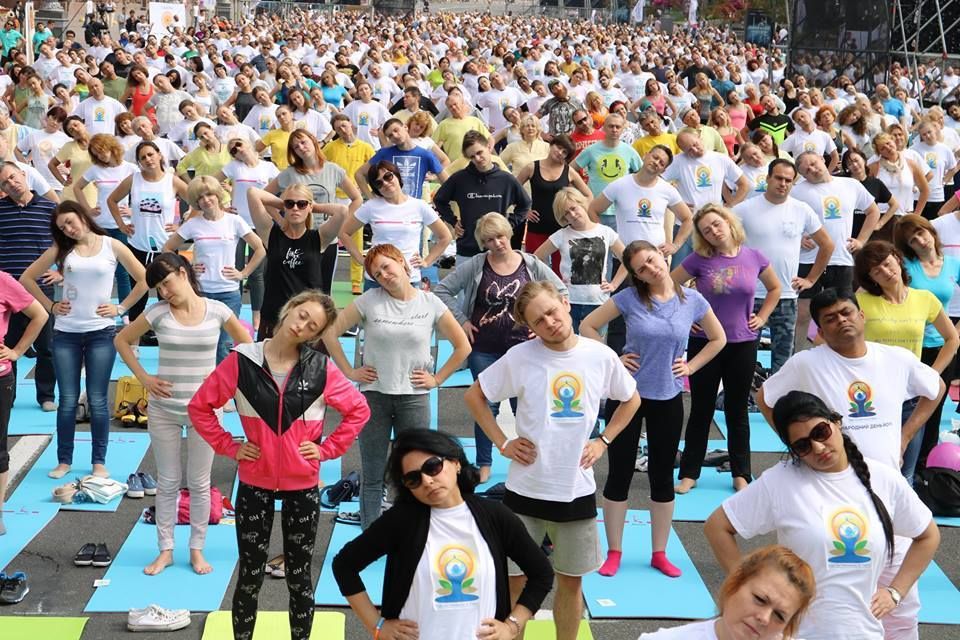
302,298
564,199
737,234
423,119
205,185
491,225
300,191
530,291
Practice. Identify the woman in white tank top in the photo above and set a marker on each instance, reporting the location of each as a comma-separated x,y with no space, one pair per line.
83,322
153,208
904,177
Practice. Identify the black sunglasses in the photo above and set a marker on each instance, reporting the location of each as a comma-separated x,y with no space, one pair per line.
296,204
432,467
580,121
235,149
821,432
387,177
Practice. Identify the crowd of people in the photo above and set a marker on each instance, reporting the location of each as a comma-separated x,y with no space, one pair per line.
617,210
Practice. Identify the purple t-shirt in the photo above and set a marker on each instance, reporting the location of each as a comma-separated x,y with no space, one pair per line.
659,336
729,284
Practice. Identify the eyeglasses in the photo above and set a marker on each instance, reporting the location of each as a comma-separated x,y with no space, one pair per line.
821,432
296,204
387,177
580,121
432,467
235,149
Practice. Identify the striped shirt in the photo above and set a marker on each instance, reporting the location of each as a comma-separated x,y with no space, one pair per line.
24,233
188,354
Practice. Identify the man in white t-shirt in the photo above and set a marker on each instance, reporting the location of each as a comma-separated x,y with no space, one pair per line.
775,225
807,137
834,199
867,383
558,379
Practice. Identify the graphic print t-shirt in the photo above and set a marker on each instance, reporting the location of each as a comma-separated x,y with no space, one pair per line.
413,166
493,310
829,520
583,261
454,587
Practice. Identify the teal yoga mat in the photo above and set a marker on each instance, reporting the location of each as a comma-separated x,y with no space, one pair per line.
23,522
26,417
125,452
498,471
938,597
711,490
762,435
461,378
177,586
149,358
640,591
327,593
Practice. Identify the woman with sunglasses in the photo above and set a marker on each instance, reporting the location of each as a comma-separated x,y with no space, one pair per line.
765,597
282,388
838,511
397,370
438,529
215,235
153,214
395,218
295,245
309,167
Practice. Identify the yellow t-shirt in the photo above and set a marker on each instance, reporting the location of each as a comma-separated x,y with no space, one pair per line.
203,162
79,161
644,144
350,156
449,134
277,141
519,154
899,325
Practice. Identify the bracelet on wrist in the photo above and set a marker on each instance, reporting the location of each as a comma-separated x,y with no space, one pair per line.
376,632
605,440
511,619
504,445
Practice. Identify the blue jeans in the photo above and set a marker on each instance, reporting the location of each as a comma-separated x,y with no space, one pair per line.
783,326
255,281
122,277
580,311
477,362
94,352
912,452
683,250
233,300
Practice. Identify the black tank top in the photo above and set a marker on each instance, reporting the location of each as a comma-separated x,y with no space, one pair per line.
543,192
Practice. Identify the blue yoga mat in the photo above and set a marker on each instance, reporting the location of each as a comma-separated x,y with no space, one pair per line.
947,522
149,358
938,597
762,435
26,417
763,357
640,591
498,471
434,408
462,378
327,593
177,587
23,522
697,505
125,452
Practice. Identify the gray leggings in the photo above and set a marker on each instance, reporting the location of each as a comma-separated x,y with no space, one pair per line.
401,412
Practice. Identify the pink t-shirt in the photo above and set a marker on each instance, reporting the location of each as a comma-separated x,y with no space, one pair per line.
13,299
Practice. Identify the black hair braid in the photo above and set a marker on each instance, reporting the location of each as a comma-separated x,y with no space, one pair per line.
859,466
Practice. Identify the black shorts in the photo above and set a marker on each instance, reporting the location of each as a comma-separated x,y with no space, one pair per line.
835,276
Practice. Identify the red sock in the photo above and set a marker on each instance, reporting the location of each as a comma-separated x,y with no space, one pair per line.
659,562
612,564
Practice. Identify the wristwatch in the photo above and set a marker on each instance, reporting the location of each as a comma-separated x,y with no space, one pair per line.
121,309
605,440
895,595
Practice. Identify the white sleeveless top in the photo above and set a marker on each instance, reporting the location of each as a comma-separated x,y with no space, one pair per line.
87,283
153,205
900,185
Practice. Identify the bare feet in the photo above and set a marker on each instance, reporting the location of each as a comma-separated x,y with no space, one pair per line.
685,485
100,471
59,471
164,560
200,564
484,474
739,484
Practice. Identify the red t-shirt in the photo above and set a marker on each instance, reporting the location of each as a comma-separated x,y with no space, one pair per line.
581,141
13,299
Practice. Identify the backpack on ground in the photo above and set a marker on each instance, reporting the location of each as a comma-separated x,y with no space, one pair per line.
129,393
939,489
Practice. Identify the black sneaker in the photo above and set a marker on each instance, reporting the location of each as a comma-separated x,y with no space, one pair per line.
102,557
84,557
14,588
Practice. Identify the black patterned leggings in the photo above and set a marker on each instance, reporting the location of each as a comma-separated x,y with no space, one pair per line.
254,508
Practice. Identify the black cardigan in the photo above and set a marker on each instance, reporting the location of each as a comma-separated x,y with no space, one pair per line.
401,535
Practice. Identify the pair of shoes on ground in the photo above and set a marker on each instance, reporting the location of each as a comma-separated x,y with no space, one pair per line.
132,415
13,588
140,484
275,568
154,618
95,555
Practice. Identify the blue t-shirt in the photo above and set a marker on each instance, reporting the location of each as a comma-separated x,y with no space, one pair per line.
413,166
659,336
334,95
942,286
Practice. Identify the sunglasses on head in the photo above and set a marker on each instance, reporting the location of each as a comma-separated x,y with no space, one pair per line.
387,177
821,432
432,467
296,204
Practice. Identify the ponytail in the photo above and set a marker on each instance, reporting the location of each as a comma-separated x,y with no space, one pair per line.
859,466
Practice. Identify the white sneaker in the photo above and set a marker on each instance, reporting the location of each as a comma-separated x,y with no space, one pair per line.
154,618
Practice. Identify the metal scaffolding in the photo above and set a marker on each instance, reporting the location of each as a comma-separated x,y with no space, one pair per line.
933,26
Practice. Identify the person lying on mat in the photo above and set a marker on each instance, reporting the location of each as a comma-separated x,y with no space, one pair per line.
764,597
839,512
439,533
282,388
188,328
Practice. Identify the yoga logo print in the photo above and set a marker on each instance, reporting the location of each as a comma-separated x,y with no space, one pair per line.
860,396
566,390
849,530
455,565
